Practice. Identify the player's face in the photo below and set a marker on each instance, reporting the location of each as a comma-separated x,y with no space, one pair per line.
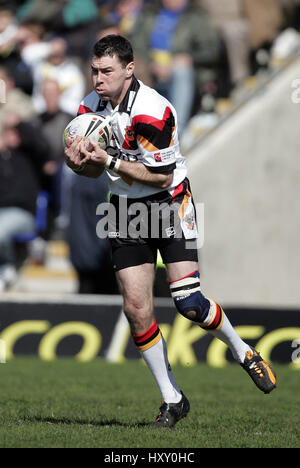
110,78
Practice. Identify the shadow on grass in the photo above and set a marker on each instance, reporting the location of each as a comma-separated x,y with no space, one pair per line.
88,422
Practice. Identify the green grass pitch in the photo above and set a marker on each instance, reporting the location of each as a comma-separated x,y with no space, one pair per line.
67,404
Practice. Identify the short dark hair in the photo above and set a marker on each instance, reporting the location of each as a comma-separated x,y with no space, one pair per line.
114,44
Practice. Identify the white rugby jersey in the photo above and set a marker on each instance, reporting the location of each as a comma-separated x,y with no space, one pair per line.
144,130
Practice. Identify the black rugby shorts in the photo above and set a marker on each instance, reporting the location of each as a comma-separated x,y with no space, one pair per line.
142,227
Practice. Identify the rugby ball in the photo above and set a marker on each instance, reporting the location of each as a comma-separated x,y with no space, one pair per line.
92,126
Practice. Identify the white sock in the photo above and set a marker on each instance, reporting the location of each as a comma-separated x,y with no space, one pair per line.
156,359
228,335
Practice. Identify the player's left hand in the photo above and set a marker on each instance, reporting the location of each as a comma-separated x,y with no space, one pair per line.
93,154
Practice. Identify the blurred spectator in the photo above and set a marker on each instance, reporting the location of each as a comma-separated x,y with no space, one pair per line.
90,255
291,13
8,28
266,20
125,13
49,59
23,162
16,100
53,121
120,17
106,29
175,37
230,20
74,19
9,56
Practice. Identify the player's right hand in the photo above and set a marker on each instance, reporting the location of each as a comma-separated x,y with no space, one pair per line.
74,154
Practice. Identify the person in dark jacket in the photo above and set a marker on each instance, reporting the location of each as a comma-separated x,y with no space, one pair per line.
53,121
90,254
23,162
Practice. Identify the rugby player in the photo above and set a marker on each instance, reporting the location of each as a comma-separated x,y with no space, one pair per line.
145,165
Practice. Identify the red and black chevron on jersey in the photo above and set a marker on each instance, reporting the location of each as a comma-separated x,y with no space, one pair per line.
155,134
144,130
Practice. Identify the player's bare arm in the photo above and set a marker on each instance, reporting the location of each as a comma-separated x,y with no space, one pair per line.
136,171
140,173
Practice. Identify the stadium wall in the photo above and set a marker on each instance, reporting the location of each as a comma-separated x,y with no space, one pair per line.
247,176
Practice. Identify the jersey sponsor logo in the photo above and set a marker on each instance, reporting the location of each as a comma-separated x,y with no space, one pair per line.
129,139
114,151
165,156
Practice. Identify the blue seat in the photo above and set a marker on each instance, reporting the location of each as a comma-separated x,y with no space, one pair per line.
41,218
